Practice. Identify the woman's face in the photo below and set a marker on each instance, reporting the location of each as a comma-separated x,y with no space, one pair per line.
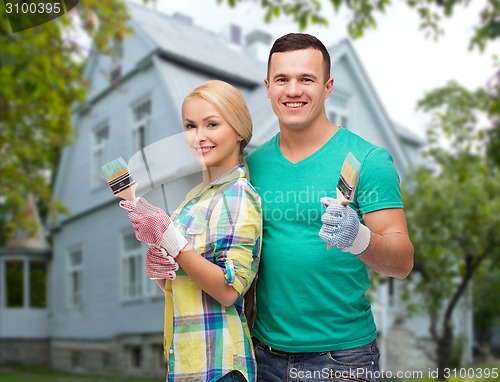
213,142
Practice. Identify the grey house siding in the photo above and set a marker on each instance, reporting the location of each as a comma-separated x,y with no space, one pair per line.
103,314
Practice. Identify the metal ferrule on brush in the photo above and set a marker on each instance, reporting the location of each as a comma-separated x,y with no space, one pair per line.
346,190
121,183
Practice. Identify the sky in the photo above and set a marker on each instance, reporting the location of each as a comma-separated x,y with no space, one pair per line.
401,62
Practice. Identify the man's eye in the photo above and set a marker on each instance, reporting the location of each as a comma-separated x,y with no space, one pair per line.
281,80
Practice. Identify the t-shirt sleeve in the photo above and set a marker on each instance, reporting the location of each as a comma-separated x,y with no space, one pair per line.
236,229
379,184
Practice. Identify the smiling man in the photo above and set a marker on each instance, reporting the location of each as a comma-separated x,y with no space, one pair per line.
313,317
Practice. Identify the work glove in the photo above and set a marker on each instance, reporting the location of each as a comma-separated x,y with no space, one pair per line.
342,228
154,227
159,264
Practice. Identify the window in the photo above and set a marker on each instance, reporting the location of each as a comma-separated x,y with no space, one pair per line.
133,270
140,113
100,144
14,270
76,360
135,353
135,282
38,284
162,360
338,110
75,275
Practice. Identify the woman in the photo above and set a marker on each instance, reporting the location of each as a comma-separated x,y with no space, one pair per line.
215,239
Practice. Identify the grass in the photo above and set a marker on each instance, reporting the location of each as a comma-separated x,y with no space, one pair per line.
41,374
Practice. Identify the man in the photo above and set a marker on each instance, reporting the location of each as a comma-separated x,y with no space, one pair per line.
314,321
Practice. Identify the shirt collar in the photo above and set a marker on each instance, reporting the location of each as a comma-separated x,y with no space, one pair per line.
233,174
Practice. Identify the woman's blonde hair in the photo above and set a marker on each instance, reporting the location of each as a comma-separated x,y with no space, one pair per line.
231,105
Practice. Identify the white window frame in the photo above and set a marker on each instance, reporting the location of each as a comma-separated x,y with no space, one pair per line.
141,286
74,296
140,121
99,154
339,109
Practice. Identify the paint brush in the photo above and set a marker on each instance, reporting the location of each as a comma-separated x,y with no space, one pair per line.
348,180
120,180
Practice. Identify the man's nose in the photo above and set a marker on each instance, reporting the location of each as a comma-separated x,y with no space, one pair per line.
293,88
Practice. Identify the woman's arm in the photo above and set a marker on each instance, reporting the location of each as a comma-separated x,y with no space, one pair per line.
209,276
235,228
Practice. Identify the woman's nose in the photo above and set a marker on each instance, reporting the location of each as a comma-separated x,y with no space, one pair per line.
201,134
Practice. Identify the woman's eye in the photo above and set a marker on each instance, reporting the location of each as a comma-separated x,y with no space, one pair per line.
212,124
189,126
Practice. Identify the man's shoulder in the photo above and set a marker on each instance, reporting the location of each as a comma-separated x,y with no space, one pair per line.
358,141
261,152
362,148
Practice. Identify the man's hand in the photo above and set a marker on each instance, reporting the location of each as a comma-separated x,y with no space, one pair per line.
153,226
342,228
159,264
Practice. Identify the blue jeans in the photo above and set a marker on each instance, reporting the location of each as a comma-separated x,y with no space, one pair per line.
358,364
233,376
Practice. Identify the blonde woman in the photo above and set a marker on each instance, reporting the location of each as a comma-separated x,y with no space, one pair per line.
214,238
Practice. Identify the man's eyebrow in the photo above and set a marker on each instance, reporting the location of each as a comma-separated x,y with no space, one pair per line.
279,75
302,75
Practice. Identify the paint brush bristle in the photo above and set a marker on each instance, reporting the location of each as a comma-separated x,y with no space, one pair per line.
348,180
121,182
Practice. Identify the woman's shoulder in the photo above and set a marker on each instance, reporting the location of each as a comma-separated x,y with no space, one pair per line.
241,189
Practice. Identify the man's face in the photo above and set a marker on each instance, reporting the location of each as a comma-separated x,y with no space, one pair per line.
297,87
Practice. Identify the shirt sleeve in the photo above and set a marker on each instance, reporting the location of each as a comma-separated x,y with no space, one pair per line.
379,185
235,230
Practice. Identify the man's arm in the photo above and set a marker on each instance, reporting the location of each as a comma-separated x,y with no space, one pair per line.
390,251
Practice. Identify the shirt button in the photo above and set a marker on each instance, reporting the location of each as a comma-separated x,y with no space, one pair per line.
171,351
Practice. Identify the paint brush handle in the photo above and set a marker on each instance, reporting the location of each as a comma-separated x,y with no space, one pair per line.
128,193
343,202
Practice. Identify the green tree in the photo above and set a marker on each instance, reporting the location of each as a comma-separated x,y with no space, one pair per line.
40,80
363,15
453,212
486,299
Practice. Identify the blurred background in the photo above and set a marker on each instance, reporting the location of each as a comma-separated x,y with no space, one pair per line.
107,79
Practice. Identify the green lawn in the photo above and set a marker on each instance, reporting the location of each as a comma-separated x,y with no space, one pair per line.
39,374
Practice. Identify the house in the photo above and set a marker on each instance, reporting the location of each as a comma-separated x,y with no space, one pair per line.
103,314
24,312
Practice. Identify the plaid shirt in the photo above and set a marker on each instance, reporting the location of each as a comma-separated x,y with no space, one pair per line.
223,222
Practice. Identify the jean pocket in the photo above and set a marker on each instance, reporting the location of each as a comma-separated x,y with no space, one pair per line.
354,365
351,358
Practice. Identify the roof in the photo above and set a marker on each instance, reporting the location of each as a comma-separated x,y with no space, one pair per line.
22,240
190,45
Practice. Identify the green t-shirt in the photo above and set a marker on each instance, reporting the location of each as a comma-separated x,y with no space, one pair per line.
310,299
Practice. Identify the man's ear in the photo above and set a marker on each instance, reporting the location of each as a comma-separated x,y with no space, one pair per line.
329,86
266,82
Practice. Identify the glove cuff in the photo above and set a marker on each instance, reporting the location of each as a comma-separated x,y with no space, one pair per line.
173,242
361,241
